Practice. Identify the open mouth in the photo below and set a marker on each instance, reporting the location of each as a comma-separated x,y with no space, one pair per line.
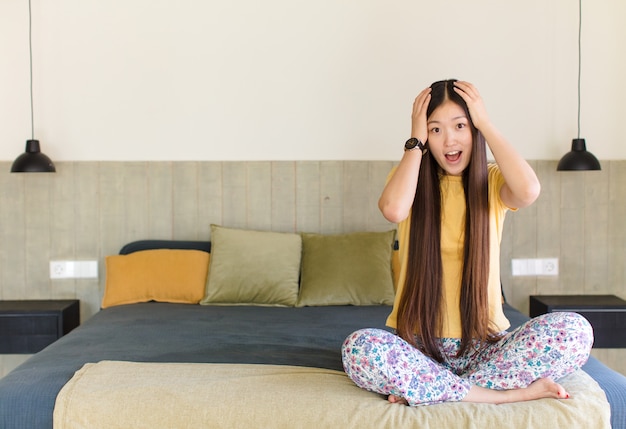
453,156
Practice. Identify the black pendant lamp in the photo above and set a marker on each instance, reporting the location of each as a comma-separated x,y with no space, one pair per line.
32,160
578,158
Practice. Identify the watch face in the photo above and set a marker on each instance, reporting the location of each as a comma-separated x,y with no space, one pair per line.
411,143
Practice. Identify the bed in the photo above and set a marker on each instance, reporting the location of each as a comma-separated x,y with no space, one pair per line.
175,364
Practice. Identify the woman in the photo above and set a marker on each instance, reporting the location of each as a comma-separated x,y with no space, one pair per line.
451,342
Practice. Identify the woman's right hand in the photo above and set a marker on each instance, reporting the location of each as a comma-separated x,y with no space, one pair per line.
397,197
419,126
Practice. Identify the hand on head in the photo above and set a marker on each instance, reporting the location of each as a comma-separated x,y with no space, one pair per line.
419,127
474,101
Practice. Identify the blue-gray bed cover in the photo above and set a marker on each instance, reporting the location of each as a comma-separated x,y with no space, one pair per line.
162,332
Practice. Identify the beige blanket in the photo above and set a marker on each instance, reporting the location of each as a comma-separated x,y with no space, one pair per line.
126,395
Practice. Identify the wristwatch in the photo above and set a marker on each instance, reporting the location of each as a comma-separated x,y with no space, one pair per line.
414,143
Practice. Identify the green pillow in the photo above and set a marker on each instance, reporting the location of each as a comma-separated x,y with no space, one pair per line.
253,267
346,269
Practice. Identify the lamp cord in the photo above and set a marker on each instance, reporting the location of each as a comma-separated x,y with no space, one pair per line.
30,46
580,19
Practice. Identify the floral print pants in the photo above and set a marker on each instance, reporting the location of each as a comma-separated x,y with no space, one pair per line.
552,346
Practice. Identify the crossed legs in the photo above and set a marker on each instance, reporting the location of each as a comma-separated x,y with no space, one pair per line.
520,367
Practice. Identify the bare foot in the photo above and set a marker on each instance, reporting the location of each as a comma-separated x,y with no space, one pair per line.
397,400
545,388
542,388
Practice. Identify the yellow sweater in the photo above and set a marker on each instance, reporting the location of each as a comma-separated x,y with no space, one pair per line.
452,239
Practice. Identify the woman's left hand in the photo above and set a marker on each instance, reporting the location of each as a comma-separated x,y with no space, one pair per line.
474,101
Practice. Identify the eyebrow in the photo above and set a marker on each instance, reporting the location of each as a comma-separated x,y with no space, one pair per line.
453,119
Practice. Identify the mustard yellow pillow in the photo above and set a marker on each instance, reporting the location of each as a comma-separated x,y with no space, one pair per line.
165,275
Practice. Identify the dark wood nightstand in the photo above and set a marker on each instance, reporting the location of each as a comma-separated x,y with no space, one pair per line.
606,313
29,326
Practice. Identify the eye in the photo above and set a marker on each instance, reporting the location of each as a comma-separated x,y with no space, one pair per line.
461,125
434,130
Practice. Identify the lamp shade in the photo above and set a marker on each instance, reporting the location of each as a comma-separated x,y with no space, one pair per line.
32,161
578,158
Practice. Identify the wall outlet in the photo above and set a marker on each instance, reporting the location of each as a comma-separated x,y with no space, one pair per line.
535,267
73,269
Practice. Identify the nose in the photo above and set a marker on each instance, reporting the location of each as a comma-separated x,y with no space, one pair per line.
447,138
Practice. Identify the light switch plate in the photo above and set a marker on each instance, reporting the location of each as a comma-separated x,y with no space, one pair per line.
73,269
535,267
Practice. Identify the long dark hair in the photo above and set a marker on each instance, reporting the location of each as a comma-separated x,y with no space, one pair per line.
420,307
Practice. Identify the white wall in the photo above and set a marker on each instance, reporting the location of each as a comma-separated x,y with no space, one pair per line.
296,80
